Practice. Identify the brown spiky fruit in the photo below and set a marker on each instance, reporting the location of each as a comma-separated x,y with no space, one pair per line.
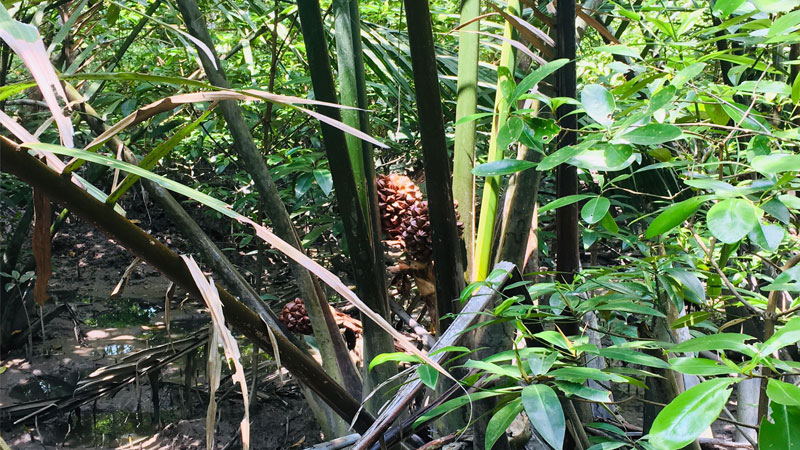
295,317
405,216
396,194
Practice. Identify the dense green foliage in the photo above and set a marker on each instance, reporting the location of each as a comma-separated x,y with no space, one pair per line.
687,158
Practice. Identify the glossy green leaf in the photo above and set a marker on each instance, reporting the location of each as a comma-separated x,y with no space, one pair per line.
653,134
699,366
508,371
731,219
661,98
688,74
599,104
767,236
579,390
324,180
396,356
594,210
533,78
633,357
502,167
605,159
689,414
541,364
719,341
609,223
788,334
674,215
790,201
690,319
783,393
452,405
776,163
558,157
501,420
724,8
581,374
788,280
545,413
428,375
781,432
691,285
621,50
564,201
775,6
303,184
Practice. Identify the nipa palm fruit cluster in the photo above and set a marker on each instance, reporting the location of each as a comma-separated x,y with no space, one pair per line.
404,215
295,317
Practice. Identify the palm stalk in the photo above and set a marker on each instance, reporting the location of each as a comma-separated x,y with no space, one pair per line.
467,102
351,166
491,187
336,358
448,265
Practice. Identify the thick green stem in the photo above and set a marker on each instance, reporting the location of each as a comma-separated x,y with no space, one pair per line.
491,187
464,141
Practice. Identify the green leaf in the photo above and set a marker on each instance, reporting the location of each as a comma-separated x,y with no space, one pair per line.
634,357
595,209
606,159
579,390
720,188
533,78
724,8
730,220
767,236
789,334
674,215
690,319
629,306
776,163
545,413
653,134
689,414
581,374
751,121
783,393
564,201
558,157
690,283
396,356
502,167
790,201
428,375
789,280
609,223
782,433
324,180
501,420
719,341
303,184
775,6
621,50
540,365
688,74
699,366
599,104
452,405
661,98
507,371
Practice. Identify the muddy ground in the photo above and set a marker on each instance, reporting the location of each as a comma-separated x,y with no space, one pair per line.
86,268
